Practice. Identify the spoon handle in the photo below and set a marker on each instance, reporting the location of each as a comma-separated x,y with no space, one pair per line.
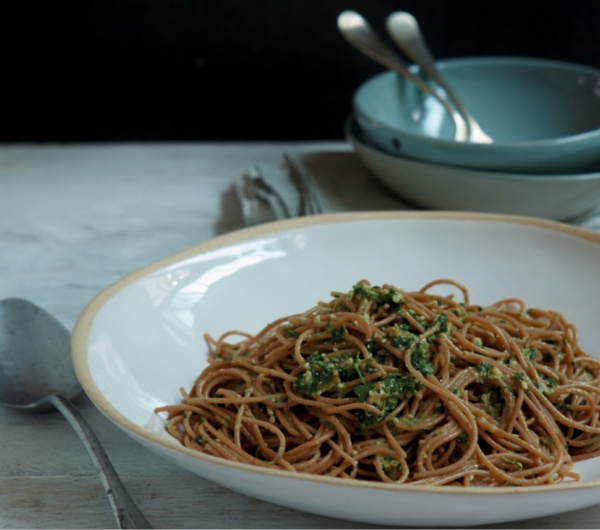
406,33
126,511
359,33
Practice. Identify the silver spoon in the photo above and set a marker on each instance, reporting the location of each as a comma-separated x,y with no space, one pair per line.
404,30
36,374
357,31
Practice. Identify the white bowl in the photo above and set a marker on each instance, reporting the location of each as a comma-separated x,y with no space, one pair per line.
436,186
140,340
544,116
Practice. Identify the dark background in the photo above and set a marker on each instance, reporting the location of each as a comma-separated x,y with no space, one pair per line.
134,70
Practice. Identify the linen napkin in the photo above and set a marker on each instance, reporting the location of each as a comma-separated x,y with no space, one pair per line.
311,182
308,182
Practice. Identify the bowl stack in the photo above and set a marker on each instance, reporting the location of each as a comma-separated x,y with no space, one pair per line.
543,117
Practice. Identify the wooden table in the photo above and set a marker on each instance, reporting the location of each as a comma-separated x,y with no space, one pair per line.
74,219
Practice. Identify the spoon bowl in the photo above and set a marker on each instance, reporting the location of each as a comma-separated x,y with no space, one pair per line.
34,357
36,374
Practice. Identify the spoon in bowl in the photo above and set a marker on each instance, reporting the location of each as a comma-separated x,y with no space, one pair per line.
404,30
357,31
36,374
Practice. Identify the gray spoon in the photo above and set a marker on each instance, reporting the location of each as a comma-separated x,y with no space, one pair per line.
36,374
358,32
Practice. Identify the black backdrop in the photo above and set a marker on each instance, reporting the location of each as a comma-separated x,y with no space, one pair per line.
146,70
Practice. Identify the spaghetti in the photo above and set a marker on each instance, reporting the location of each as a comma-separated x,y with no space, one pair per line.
406,387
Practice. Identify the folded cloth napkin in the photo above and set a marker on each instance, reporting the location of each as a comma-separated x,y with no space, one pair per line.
311,182
318,181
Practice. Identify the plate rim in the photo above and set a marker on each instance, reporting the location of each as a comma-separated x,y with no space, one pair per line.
85,320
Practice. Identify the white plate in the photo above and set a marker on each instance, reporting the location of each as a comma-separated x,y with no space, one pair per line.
140,340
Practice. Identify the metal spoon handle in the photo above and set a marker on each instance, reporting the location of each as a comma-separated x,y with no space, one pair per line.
357,31
126,511
406,33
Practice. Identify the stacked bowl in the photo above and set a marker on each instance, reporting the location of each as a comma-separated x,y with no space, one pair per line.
543,118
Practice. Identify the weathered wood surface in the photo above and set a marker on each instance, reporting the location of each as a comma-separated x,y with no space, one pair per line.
74,219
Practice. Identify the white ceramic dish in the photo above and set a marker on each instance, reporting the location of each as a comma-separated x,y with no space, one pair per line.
436,186
543,115
140,340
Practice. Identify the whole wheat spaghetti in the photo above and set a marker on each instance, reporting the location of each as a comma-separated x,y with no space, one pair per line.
406,387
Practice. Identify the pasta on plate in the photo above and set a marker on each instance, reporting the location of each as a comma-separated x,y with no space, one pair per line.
385,385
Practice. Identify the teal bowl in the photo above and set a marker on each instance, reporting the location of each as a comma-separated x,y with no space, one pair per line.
543,115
